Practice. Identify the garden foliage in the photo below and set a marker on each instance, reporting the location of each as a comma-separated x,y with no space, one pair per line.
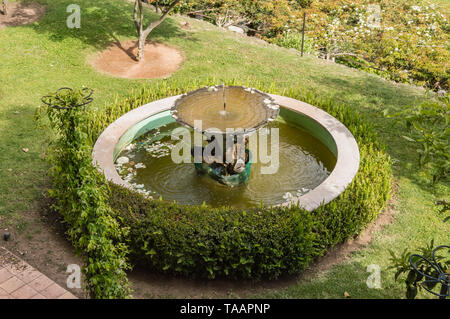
413,280
403,40
428,127
261,242
81,196
200,241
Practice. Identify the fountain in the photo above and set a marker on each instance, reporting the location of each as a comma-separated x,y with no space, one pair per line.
230,114
318,156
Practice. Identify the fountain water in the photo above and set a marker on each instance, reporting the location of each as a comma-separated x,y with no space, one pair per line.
230,114
318,156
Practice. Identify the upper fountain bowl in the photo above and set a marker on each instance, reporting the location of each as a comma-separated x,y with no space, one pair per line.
225,107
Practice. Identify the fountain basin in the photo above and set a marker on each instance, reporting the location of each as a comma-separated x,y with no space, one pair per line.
328,130
230,180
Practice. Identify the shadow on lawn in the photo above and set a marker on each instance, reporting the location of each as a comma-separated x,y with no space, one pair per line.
350,278
102,23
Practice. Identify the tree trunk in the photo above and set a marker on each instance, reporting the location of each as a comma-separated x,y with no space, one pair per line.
141,46
143,38
138,22
5,7
139,27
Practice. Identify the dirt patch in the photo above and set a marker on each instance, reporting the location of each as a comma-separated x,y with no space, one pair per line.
120,60
20,14
43,245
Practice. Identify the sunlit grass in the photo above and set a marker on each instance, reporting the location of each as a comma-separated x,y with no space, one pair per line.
39,58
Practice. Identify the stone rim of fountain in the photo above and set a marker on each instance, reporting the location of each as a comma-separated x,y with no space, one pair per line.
347,161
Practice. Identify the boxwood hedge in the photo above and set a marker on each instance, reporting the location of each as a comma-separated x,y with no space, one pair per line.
208,242
262,242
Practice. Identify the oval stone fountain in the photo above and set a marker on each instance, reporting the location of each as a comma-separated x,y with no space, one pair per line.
318,156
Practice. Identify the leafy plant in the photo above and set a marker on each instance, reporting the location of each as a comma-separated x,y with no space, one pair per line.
444,206
402,40
428,125
200,241
260,17
293,39
412,279
81,195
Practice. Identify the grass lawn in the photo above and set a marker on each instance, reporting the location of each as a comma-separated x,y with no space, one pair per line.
40,58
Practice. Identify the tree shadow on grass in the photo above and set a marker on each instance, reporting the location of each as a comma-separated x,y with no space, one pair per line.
21,13
102,23
128,51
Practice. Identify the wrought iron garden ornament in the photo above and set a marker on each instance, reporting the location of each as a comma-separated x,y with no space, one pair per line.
86,99
442,277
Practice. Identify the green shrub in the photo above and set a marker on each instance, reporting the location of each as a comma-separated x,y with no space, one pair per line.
370,189
404,272
293,39
215,242
262,17
428,126
408,44
257,243
81,195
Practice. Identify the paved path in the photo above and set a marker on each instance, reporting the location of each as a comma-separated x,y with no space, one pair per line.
18,280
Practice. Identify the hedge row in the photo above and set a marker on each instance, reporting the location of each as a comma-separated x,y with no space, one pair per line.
82,194
209,242
259,242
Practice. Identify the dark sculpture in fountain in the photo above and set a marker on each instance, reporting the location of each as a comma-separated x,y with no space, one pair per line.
228,115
